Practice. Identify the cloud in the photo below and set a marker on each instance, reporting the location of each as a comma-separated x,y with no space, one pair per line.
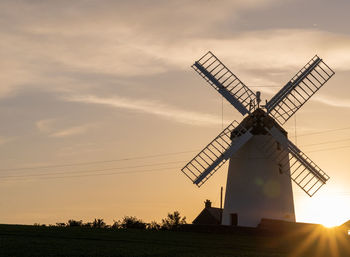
45,126
50,128
150,107
4,140
326,100
341,103
156,15
52,47
265,50
72,131
45,43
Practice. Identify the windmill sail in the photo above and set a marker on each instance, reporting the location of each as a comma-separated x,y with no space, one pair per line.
225,82
302,170
216,153
299,89
249,193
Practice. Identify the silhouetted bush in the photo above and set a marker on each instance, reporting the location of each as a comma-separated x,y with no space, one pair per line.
39,225
74,223
173,221
132,222
153,226
87,224
98,223
116,224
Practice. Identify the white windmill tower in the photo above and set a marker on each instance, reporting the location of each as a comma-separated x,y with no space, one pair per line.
258,148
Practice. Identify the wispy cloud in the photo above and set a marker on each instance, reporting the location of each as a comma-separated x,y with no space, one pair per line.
4,140
326,100
150,107
45,126
168,112
71,131
67,45
341,103
53,128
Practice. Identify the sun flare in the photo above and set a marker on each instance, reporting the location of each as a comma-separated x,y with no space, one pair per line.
327,209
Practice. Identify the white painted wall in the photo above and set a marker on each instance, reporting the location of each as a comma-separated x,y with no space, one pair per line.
255,188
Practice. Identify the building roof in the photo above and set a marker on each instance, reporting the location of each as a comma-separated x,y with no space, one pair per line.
215,212
209,215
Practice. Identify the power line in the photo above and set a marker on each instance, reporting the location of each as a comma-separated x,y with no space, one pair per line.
323,132
95,162
329,149
328,142
93,175
145,156
86,171
265,86
93,172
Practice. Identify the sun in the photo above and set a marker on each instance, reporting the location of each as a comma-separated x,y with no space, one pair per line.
333,211
330,223
332,218
326,209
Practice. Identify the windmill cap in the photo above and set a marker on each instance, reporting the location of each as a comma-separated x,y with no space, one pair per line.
258,120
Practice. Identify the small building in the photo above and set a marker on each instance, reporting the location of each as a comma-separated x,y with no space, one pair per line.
209,215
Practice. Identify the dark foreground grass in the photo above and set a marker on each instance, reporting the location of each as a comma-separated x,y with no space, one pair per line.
18,240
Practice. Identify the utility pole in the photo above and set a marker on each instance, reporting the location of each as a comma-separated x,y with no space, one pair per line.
221,198
221,205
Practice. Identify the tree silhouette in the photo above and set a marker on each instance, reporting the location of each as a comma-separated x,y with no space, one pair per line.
87,224
98,223
74,223
153,225
132,222
117,224
173,221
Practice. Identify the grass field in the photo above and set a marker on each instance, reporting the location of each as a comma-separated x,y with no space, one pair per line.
19,240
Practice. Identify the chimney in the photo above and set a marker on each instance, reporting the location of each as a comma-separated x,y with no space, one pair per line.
207,203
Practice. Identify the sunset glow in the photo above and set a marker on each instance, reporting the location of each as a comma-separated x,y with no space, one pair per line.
100,109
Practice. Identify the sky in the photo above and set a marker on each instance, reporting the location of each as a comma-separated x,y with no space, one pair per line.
100,108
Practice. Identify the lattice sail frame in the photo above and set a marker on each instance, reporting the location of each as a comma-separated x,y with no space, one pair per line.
216,153
225,82
294,163
302,170
299,89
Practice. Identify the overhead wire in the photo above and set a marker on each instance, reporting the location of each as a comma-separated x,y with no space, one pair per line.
96,172
323,132
92,175
138,166
142,157
87,171
329,149
328,142
95,162
265,86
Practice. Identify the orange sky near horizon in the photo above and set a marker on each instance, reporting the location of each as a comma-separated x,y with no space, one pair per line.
100,109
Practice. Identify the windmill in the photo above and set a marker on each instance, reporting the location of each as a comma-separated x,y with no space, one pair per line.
258,148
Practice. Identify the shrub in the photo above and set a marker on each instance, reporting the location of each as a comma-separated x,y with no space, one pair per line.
98,223
153,226
173,221
87,224
117,224
74,223
132,222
